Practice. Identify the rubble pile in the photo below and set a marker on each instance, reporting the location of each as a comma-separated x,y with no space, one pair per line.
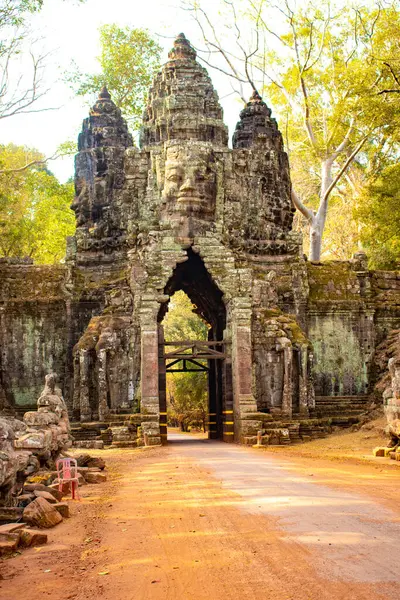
29,487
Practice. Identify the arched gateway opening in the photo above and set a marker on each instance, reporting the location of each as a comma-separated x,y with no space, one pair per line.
187,355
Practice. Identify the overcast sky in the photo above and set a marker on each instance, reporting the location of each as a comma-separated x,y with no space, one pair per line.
70,32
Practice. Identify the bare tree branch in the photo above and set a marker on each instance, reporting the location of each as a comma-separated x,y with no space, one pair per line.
309,214
343,169
34,163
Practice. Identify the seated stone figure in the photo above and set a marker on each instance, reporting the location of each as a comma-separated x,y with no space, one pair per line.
51,400
48,428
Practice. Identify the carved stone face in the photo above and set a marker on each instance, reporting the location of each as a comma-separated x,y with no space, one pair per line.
80,205
190,179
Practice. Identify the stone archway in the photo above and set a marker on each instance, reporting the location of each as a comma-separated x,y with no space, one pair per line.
192,277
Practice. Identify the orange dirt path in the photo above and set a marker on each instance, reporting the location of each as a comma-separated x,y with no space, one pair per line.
212,521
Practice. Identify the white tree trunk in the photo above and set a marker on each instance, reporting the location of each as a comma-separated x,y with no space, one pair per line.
317,223
315,241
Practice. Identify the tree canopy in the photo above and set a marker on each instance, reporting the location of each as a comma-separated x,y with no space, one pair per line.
35,217
379,213
128,59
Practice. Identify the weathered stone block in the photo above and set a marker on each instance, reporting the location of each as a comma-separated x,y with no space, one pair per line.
10,513
46,495
95,477
7,545
63,509
250,428
41,513
53,489
32,537
379,451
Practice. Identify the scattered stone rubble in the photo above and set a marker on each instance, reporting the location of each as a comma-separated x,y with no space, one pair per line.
29,488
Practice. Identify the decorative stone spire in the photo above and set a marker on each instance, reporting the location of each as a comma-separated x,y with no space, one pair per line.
105,126
183,104
182,49
256,126
105,94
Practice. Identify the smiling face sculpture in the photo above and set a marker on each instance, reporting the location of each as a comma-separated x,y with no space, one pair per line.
189,186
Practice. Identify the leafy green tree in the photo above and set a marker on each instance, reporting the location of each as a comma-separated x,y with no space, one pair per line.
35,217
187,399
187,393
127,63
379,215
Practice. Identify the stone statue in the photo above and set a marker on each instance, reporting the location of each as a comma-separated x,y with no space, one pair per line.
51,400
47,429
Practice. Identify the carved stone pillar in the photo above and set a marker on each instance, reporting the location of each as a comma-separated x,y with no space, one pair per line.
243,399
102,384
86,412
304,387
150,407
76,398
287,393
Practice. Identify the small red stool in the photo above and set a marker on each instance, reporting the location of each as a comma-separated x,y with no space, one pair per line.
67,472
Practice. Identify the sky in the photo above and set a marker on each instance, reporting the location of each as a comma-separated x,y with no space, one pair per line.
69,32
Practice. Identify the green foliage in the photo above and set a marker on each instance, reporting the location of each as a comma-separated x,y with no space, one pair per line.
186,392
379,214
34,208
127,62
325,80
181,323
187,400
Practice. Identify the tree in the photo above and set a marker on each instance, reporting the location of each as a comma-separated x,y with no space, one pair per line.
188,400
35,216
19,92
186,392
127,63
321,68
379,214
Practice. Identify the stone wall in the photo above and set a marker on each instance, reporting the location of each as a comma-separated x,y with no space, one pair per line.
33,329
40,322
350,310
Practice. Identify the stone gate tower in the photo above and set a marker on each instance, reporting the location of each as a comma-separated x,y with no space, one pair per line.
187,212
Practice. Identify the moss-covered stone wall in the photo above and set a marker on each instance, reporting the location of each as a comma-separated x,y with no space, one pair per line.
349,311
39,324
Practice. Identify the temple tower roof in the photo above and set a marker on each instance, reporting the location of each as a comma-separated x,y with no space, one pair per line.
105,126
256,127
183,104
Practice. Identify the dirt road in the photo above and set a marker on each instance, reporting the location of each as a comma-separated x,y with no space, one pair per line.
206,520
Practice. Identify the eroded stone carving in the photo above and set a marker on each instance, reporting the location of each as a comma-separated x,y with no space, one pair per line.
189,185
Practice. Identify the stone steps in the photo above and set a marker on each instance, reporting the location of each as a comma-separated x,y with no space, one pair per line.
342,410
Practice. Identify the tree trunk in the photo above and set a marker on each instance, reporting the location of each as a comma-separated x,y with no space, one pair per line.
317,224
315,241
